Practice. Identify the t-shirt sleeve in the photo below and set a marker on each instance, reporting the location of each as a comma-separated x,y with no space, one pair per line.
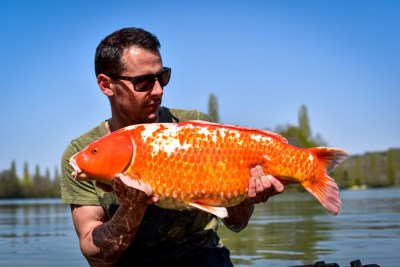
204,117
74,191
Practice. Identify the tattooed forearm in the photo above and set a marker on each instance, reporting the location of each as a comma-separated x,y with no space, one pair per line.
114,236
104,241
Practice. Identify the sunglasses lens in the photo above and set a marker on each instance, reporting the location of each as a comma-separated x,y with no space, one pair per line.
145,83
164,76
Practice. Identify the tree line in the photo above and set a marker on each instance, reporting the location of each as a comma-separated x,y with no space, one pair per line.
29,185
373,169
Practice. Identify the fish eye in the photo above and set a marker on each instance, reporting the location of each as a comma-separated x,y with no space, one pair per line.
95,150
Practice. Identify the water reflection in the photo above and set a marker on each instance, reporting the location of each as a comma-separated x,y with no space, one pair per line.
291,229
37,233
26,218
294,229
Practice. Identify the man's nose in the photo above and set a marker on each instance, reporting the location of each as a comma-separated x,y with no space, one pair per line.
157,88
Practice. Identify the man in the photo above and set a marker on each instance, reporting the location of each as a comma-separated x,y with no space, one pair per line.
117,226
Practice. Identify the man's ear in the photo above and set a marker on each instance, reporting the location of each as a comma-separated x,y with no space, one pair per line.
104,83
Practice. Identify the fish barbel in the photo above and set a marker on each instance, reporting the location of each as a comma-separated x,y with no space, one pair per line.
203,165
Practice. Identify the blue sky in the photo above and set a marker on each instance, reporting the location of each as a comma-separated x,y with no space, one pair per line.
262,59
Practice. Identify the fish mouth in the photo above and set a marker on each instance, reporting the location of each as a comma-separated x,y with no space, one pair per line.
77,173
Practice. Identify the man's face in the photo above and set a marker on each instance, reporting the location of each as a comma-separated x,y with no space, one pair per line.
131,106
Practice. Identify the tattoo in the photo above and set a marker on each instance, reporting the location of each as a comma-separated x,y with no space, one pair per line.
114,236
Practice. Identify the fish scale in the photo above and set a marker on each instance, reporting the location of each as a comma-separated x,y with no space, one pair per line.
196,164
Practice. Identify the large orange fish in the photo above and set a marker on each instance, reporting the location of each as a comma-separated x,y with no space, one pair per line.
197,164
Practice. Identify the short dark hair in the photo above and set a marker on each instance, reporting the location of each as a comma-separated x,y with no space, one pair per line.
109,52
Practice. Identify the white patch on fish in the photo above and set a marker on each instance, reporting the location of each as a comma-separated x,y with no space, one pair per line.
149,130
204,131
213,133
170,144
259,138
222,132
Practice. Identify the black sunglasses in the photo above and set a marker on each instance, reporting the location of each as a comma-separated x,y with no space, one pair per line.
144,83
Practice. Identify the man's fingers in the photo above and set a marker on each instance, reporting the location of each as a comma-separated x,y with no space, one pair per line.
276,184
252,187
153,200
262,183
118,185
254,172
262,186
259,170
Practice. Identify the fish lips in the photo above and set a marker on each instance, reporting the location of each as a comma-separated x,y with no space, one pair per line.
77,173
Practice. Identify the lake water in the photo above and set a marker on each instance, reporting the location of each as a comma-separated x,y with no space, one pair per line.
291,229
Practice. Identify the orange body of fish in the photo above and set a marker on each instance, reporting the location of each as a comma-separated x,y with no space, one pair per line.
197,164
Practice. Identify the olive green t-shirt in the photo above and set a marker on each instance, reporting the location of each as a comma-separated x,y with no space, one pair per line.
163,233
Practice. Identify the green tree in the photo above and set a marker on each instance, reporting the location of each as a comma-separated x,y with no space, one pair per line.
47,184
391,167
293,135
345,179
10,184
26,182
304,123
13,168
301,136
56,189
213,108
372,176
38,184
358,173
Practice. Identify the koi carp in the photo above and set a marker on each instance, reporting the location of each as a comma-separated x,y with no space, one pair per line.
206,166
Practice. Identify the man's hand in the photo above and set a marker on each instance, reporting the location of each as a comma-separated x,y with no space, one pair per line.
262,186
129,196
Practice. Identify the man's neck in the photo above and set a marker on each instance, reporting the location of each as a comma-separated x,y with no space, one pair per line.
113,124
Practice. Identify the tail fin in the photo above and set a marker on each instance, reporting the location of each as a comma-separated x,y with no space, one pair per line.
323,187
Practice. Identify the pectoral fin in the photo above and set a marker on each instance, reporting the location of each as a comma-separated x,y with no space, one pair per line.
220,212
135,182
